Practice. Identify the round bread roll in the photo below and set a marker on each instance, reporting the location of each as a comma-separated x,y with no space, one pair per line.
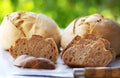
25,24
95,24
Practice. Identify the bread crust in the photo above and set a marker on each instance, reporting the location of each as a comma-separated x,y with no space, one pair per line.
27,61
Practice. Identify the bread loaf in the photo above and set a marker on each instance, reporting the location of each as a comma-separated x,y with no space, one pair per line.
26,24
27,61
95,24
36,46
87,52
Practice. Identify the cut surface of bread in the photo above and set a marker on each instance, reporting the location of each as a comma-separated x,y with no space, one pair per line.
36,46
89,51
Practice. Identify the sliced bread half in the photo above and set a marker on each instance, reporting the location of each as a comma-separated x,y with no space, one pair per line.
88,51
36,46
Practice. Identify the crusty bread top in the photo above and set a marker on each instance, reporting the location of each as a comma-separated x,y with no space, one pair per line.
36,46
26,24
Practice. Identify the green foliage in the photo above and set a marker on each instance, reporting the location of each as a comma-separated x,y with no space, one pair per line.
63,11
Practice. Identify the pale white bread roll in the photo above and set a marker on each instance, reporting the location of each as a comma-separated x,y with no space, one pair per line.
95,24
25,24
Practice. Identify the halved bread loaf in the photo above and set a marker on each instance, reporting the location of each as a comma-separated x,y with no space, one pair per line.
25,24
36,46
95,24
89,51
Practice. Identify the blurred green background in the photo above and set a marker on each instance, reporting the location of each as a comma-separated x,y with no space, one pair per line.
63,11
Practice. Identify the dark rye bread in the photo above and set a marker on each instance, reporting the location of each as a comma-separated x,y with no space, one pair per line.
36,46
88,51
